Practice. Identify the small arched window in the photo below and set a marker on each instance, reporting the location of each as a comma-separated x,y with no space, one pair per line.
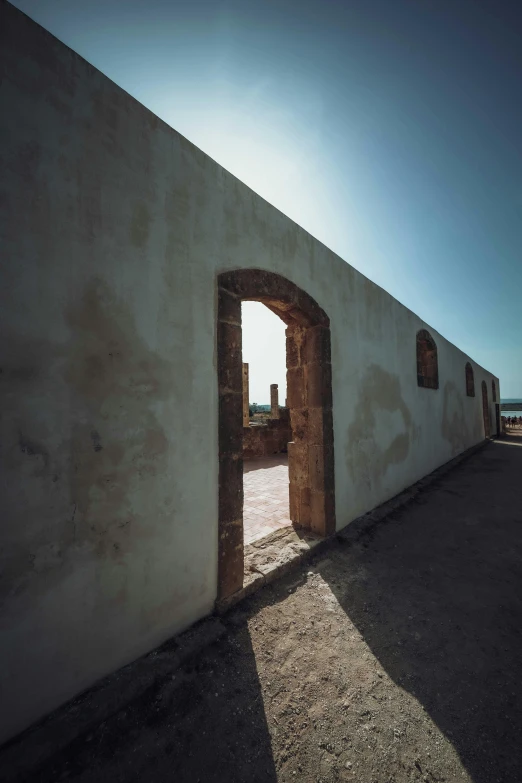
470,380
494,390
427,362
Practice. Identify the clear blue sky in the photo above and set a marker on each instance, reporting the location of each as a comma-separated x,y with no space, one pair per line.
389,129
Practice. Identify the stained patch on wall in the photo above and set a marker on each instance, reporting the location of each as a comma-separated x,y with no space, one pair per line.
33,449
101,481
453,427
29,464
367,460
118,447
96,441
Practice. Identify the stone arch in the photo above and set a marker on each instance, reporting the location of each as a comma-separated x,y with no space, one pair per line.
427,361
470,380
485,410
493,390
309,393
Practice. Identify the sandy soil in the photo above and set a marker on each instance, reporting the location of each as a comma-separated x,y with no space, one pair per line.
393,658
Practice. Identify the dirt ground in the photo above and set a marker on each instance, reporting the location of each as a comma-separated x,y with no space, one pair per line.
395,657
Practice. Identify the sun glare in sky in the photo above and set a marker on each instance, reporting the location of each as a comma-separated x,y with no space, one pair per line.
264,348
346,117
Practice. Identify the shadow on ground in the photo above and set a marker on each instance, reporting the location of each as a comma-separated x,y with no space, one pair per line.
393,657
439,604
205,722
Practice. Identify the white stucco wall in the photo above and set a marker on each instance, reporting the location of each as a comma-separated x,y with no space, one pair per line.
113,229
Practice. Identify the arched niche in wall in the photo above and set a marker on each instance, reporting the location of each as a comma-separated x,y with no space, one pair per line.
427,361
470,380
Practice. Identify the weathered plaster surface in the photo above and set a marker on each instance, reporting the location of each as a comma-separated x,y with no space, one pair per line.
113,229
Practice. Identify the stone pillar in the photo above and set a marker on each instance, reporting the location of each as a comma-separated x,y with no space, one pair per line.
230,433
274,401
246,414
310,453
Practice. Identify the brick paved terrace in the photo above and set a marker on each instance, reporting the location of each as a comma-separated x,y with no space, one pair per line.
265,507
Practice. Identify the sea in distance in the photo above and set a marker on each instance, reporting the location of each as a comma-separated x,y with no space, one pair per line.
511,399
503,401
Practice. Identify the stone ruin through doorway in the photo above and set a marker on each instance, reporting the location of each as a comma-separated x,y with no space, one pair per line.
309,394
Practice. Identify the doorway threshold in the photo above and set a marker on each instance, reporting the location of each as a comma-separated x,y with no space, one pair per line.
269,558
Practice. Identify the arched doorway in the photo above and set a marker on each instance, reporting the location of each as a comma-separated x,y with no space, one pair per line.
309,393
485,410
